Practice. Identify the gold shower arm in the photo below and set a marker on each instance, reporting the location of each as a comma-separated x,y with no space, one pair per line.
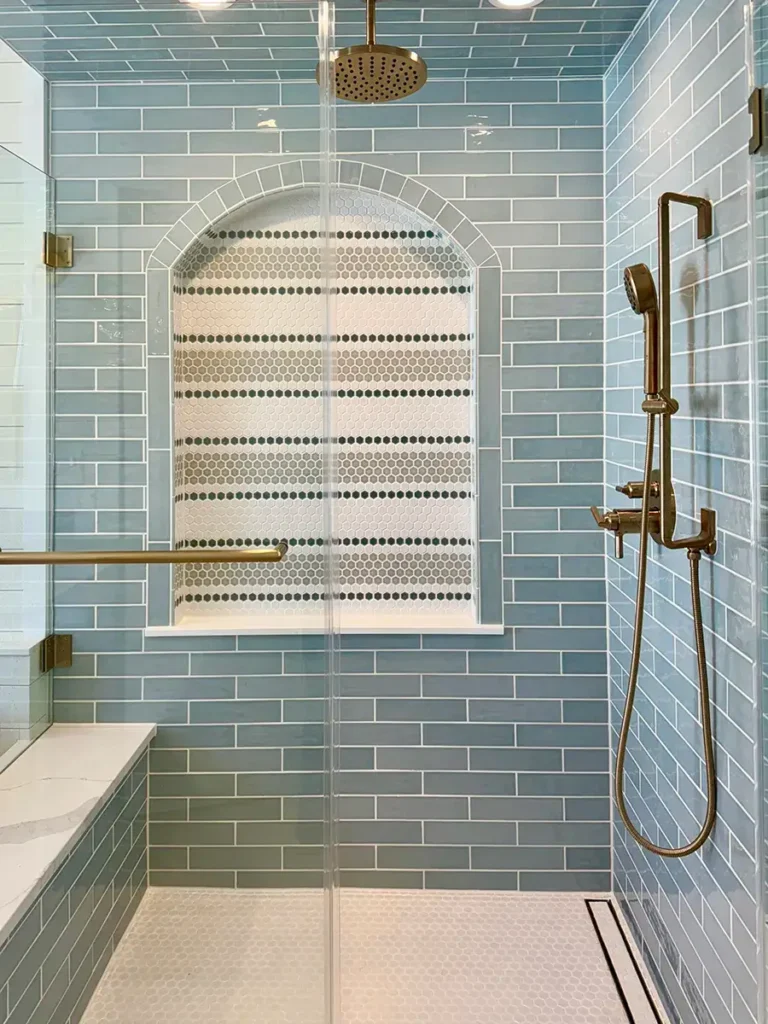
275,554
663,404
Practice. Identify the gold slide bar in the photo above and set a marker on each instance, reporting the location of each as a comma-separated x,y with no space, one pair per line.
666,406
275,554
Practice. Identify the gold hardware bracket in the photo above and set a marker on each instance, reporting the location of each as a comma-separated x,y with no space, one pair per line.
56,652
757,114
58,251
705,540
704,226
662,404
204,555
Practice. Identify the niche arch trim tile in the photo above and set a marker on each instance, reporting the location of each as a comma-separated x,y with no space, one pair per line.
282,176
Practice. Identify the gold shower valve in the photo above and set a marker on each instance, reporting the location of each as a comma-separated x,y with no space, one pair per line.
621,521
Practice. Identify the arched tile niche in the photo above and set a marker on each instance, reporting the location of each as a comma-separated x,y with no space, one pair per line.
250,462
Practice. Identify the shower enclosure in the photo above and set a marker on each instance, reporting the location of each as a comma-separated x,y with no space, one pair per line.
335,385
760,370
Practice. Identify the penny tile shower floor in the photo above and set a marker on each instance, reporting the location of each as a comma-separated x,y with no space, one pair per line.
210,957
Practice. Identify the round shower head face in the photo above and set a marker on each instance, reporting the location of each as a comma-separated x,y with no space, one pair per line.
374,73
640,288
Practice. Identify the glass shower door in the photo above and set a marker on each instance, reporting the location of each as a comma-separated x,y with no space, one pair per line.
26,213
326,16
760,234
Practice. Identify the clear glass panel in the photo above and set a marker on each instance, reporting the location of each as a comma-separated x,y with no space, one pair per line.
26,205
328,171
424,226
228,171
760,26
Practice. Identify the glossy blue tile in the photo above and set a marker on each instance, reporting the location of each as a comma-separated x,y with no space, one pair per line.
387,669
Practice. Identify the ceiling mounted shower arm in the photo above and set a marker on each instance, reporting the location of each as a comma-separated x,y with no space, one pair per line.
664,405
370,23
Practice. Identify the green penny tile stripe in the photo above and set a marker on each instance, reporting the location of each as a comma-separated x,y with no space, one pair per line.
307,393
411,439
444,289
453,289
225,442
218,338
302,596
214,338
322,234
222,542
315,495
367,439
246,290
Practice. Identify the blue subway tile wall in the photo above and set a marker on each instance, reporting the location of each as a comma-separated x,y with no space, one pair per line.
52,961
676,120
466,761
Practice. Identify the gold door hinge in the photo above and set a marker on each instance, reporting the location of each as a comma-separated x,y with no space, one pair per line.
56,652
757,113
58,251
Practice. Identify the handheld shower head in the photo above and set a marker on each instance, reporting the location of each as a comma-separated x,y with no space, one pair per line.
641,292
641,289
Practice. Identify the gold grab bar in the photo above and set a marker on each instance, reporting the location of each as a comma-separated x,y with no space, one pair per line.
275,554
664,405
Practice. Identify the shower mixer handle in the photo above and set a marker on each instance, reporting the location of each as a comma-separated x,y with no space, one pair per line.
614,523
620,522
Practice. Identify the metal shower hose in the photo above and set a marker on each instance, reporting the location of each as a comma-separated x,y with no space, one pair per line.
694,557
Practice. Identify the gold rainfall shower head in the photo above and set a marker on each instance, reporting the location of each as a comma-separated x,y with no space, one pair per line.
371,72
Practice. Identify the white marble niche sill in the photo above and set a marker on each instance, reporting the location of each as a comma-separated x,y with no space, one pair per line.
202,624
49,797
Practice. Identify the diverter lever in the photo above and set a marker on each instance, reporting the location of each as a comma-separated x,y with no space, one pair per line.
619,521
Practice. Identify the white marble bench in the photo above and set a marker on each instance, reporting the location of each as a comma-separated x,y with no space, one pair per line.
49,796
